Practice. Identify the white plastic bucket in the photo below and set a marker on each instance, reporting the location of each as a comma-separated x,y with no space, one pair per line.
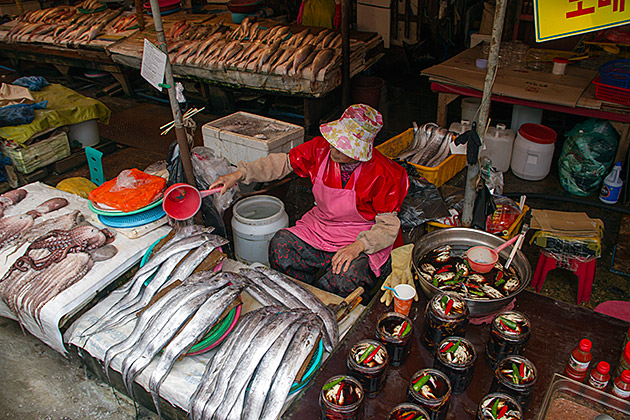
256,219
499,142
459,128
525,114
533,152
85,132
469,108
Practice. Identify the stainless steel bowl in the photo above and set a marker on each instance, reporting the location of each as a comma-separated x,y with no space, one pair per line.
467,238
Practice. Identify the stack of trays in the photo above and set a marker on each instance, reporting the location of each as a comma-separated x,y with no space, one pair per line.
119,219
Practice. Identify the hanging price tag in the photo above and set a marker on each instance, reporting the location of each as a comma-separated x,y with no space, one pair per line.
153,65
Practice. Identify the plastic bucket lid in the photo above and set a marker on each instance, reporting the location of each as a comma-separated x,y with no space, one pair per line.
259,210
537,133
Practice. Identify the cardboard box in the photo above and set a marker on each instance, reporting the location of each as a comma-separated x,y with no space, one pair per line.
247,137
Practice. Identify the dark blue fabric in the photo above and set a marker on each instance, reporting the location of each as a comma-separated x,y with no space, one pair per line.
19,114
4,161
31,82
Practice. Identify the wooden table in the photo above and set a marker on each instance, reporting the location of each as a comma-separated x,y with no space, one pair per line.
573,93
63,58
557,327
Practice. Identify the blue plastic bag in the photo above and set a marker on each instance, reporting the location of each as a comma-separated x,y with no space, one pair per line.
18,114
31,82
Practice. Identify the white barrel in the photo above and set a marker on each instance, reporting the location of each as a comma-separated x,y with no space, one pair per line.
533,152
499,142
524,114
469,108
256,219
85,132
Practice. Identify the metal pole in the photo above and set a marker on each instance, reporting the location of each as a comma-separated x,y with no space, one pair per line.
345,53
473,170
182,141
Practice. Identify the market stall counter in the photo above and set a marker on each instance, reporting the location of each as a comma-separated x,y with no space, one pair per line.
556,328
27,229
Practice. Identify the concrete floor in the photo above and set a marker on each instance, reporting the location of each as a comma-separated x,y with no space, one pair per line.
37,383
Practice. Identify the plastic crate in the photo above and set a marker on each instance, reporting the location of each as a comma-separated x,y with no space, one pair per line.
437,175
611,93
616,73
37,155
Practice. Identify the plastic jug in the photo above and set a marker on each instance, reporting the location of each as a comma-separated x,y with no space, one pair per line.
459,128
499,141
612,186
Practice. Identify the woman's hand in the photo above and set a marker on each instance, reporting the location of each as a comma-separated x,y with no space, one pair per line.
344,256
227,181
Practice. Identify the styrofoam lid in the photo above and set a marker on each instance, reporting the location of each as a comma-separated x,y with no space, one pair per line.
537,133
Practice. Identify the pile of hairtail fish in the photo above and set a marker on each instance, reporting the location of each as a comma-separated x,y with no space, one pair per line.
61,251
430,145
250,374
71,25
250,47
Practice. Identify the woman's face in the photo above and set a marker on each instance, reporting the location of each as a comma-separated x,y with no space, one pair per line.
337,156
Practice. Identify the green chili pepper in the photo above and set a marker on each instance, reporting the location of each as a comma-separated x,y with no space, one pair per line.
475,292
454,347
329,385
366,353
515,375
406,330
421,382
495,407
500,282
443,301
435,281
456,279
509,323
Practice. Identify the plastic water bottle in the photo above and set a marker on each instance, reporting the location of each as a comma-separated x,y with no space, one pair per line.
612,186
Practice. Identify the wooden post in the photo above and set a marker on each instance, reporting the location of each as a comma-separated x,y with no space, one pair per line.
139,15
470,192
345,53
180,132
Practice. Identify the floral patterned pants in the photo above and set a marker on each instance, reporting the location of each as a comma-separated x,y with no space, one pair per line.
294,257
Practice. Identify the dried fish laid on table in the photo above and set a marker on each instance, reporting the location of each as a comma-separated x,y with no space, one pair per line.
446,268
168,323
294,295
137,295
64,222
251,374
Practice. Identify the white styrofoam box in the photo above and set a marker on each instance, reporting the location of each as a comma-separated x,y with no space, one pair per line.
247,137
375,16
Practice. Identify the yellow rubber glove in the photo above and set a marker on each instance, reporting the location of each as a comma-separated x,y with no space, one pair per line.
401,273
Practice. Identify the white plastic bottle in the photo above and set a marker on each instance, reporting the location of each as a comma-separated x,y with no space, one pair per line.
499,142
459,128
612,186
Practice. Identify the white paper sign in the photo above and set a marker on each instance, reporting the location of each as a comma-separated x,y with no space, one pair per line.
153,64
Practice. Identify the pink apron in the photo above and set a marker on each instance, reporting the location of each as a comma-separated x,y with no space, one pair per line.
335,221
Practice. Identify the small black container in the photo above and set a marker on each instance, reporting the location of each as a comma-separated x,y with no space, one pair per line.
509,334
436,397
403,412
446,315
389,329
372,373
456,357
515,376
495,402
352,392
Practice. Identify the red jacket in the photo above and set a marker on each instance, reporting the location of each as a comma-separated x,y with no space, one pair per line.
381,187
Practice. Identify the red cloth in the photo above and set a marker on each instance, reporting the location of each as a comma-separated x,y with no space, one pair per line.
381,188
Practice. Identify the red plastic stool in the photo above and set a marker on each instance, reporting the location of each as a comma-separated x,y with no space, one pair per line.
585,271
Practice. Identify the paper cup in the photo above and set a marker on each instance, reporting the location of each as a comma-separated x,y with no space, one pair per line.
403,298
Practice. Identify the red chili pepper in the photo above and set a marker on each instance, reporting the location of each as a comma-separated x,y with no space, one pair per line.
409,416
339,391
499,276
371,356
447,346
521,370
449,305
502,412
504,325
402,329
443,269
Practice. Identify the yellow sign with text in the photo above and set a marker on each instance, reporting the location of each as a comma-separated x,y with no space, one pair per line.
555,19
